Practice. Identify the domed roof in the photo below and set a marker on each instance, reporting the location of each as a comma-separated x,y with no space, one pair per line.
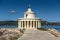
29,13
29,10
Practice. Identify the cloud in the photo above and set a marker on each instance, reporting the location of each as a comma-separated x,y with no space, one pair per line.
12,11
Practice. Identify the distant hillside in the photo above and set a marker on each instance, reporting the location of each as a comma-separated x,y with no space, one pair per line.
50,23
43,23
8,22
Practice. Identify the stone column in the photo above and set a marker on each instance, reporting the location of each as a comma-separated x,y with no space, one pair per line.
30,24
19,24
24,24
33,24
27,24
36,24
40,24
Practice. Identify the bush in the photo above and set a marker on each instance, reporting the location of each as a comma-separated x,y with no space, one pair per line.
44,29
13,38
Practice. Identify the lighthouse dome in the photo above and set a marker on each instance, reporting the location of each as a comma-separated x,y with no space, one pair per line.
29,13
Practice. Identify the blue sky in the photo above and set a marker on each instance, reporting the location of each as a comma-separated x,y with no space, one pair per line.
45,9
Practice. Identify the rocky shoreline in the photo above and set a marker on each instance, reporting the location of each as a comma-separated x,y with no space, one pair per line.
54,32
10,33
15,33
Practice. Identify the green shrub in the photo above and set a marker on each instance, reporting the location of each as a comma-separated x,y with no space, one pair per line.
44,29
13,38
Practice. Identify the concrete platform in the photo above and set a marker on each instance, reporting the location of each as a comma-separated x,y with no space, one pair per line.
38,35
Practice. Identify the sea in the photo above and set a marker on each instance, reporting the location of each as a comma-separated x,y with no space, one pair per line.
54,27
16,26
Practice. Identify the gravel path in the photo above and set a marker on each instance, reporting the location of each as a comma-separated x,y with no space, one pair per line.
38,35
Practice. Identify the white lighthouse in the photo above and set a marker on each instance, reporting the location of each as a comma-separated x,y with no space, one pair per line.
29,21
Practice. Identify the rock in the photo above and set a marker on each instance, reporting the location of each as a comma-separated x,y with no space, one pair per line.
54,32
10,33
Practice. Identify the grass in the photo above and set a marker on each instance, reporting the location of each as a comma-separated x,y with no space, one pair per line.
44,29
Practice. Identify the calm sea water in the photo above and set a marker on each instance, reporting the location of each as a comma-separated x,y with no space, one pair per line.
15,26
55,27
10,26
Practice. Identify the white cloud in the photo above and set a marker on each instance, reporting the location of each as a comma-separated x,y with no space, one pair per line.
12,11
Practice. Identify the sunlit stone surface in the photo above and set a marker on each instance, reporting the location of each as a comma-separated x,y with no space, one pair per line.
38,35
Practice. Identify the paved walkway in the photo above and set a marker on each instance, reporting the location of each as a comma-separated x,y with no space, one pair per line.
38,35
